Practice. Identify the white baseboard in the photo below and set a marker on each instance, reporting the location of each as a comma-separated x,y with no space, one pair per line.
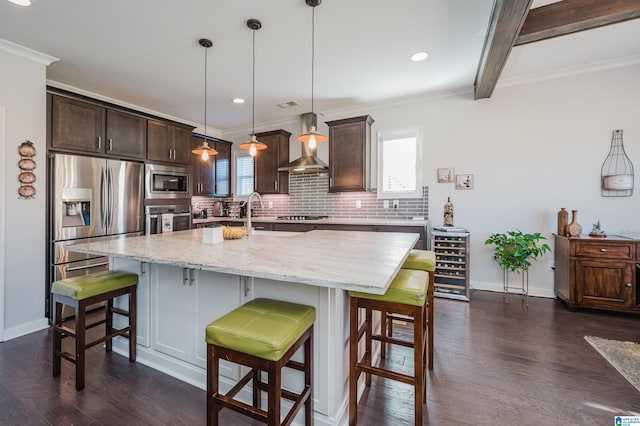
24,329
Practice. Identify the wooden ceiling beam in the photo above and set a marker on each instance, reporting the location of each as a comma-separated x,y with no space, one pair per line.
570,16
507,17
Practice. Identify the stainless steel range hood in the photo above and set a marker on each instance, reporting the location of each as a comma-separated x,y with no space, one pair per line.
308,161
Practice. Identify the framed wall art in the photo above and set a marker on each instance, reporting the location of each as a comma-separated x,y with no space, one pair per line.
464,182
446,175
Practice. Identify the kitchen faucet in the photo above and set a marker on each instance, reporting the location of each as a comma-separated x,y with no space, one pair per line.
253,194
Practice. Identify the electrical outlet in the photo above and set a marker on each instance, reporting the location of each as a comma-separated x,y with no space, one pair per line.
358,204
270,204
385,204
396,204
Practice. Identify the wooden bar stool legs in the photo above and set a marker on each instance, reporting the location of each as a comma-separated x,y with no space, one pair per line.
263,335
359,365
216,401
407,296
79,293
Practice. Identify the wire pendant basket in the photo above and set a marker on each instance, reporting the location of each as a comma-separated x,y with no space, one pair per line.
617,170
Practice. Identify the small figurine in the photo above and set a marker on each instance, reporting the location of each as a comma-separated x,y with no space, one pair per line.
597,231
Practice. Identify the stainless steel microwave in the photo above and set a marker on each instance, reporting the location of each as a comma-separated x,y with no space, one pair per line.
167,181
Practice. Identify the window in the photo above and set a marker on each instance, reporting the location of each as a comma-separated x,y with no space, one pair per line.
222,176
399,164
244,177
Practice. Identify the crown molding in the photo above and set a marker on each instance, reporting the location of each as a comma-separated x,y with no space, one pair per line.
25,52
199,128
570,71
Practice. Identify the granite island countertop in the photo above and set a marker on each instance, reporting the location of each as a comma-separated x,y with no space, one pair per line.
348,260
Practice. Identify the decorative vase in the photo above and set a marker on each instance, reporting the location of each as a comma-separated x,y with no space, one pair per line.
563,219
448,213
574,229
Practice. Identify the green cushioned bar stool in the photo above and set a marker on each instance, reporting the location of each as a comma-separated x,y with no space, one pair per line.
407,295
80,292
263,335
421,260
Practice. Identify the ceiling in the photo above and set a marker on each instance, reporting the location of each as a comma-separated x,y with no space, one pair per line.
146,53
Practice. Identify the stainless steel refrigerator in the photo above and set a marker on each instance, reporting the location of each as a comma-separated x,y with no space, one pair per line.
91,198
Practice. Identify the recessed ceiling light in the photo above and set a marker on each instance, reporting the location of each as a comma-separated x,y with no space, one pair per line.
21,2
237,100
419,56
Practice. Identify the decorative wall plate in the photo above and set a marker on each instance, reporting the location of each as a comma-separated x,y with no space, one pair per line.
27,165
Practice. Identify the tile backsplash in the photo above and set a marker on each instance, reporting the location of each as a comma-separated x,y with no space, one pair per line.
308,195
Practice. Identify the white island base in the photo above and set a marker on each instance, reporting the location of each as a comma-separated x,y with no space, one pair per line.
176,304
185,284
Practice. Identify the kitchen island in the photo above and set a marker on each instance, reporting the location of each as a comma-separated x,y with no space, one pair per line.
185,284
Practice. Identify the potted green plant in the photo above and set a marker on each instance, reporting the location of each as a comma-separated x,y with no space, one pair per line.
515,250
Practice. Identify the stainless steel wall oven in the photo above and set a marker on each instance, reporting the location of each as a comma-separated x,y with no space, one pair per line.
179,217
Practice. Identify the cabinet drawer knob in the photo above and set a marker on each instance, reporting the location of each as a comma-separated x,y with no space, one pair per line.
629,285
603,250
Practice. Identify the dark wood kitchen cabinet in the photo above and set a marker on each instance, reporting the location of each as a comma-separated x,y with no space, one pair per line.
126,134
597,273
211,177
350,154
268,180
83,126
168,143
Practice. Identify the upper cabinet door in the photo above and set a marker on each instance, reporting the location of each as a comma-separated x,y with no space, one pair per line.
126,134
169,143
77,125
268,180
159,147
203,171
181,139
349,154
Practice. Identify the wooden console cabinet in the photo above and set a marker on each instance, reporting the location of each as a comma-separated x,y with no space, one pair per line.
598,273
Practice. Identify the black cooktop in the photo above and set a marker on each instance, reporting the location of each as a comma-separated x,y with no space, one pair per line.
301,217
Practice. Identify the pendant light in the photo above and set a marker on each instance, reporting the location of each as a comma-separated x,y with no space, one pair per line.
205,150
253,145
312,136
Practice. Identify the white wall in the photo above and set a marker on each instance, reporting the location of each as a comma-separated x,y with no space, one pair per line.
22,278
532,149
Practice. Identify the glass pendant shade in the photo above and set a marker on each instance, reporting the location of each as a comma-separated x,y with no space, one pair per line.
204,150
253,145
312,137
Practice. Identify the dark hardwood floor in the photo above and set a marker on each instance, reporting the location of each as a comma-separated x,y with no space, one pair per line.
495,364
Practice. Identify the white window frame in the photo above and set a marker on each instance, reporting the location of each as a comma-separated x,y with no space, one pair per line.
390,135
237,195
